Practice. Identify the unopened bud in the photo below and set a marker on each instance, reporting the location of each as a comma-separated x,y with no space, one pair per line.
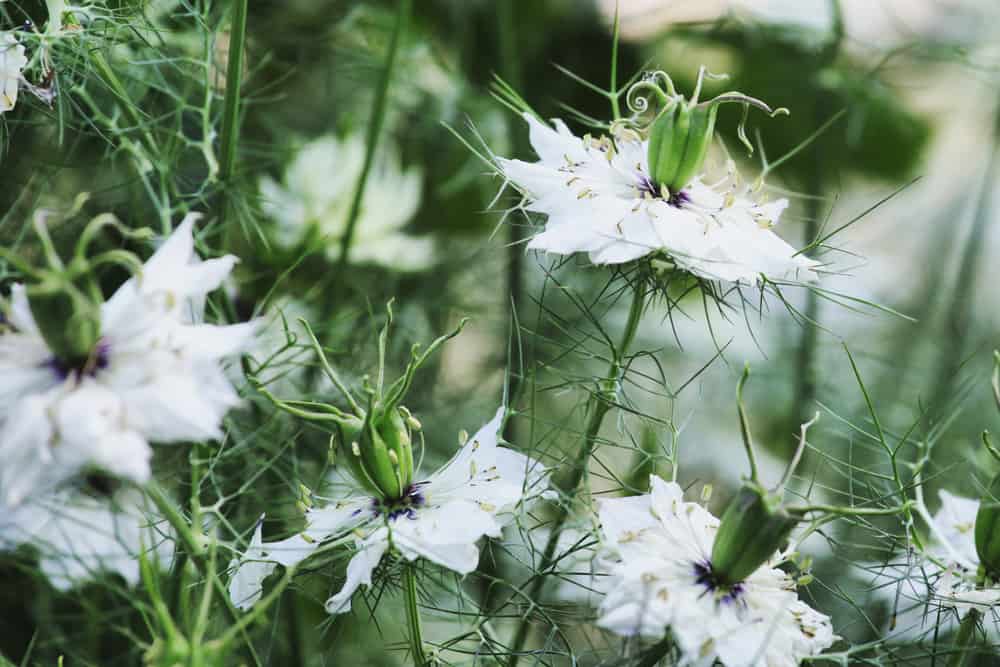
356,448
463,437
393,457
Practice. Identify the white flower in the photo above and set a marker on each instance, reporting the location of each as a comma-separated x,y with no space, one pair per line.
955,543
599,199
925,597
80,536
154,376
663,580
317,194
440,519
12,61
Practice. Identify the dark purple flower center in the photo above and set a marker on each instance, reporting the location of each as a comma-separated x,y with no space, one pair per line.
647,186
89,367
723,593
406,505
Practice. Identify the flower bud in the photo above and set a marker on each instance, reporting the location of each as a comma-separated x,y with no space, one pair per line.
69,322
988,529
753,527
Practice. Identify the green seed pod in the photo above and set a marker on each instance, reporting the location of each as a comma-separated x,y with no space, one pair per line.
988,529
379,464
699,139
70,324
396,436
662,135
673,128
349,436
753,527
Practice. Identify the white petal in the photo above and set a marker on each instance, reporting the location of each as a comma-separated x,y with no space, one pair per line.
250,571
359,571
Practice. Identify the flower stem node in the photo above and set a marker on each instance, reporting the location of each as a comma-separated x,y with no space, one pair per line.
988,530
753,527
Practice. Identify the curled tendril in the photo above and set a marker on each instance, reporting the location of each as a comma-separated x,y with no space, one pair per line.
656,84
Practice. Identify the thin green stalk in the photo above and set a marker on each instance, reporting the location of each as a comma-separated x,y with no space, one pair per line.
965,639
194,547
511,72
656,652
375,123
413,617
231,108
806,372
598,406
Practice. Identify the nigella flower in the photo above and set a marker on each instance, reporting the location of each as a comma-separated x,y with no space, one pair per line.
12,62
80,535
317,193
151,373
663,580
600,197
440,518
960,584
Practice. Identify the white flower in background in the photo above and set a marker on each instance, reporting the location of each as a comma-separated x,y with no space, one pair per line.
12,61
599,199
663,580
954,532
154,376
317,194
925,597
80,536
440,519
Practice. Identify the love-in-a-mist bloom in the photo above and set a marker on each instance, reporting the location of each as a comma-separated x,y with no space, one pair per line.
317,193
663,580
150,371
440,518
12,62
623,197
80,535
960,584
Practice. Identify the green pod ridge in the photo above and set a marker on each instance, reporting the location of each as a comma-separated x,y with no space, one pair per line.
753,527
661,136
699,138
375,455
349,434
69,323
988,529
396,437
672,151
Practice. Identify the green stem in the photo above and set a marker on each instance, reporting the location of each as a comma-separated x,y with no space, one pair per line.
231,108
413,617
965,639
598,406
656,652
375,123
